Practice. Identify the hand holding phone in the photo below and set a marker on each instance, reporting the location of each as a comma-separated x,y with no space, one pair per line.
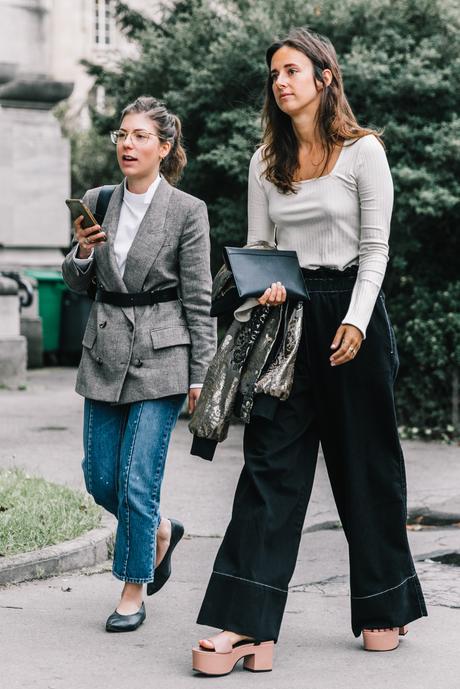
87,231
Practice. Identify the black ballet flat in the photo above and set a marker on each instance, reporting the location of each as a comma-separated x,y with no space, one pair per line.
125,623
163,571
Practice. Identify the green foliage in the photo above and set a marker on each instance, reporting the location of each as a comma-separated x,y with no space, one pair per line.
132,22
400,61
428,333
93,161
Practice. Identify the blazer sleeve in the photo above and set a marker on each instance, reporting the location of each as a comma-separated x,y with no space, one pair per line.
196,283
78,278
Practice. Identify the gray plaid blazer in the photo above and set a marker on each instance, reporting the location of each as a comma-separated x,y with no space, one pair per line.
146,352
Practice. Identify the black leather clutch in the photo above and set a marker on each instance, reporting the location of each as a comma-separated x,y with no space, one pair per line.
255,269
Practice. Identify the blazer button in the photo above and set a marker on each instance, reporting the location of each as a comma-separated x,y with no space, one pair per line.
98,360
137,363
103,324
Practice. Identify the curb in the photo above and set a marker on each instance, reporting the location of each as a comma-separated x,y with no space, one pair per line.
441,514
92,548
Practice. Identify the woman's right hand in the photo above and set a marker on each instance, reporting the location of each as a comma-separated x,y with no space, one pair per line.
274,295
87,238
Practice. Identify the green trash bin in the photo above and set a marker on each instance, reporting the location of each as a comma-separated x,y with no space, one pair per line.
50,290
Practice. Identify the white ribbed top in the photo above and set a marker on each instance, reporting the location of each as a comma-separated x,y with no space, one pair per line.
334,221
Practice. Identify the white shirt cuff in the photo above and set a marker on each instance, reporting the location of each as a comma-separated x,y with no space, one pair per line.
196,385
82,263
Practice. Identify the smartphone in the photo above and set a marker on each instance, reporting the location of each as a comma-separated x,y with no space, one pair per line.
77,208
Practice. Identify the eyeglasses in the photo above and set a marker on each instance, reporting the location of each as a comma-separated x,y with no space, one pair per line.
139,137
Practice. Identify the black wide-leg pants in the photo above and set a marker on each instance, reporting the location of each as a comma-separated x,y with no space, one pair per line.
349,409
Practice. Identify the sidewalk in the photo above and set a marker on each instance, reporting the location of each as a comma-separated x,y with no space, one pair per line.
53,638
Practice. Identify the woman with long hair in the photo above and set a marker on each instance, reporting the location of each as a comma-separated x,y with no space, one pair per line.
320,185
147,344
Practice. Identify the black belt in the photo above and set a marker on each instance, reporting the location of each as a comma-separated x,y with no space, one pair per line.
136,298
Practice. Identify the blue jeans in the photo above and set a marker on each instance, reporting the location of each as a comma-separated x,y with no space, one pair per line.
125,452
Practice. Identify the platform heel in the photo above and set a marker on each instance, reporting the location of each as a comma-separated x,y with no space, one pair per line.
258,656
262,658
383,639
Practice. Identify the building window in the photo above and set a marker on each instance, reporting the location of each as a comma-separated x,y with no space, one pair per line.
103,22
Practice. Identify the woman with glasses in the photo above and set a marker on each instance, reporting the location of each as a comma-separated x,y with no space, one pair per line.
147,344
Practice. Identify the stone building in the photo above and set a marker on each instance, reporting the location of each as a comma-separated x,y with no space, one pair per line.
41,45
86,29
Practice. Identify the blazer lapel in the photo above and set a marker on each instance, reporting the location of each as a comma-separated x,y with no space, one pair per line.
149,239
106,260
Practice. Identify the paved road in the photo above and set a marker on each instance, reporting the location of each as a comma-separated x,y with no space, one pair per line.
51,632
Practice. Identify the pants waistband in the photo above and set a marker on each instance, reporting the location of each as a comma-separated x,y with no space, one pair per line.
328,279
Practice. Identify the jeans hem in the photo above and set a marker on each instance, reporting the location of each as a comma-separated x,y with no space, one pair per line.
132,580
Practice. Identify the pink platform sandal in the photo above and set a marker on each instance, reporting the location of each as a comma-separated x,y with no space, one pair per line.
383,639
258,656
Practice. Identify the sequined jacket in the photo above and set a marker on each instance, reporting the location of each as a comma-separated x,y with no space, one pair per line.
253,367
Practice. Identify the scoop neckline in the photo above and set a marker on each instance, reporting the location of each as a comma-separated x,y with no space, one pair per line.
329,174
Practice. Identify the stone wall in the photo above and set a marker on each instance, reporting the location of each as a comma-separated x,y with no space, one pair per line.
13,347
35,180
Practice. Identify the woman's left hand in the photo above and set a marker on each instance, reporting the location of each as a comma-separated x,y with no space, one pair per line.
193,395
347,342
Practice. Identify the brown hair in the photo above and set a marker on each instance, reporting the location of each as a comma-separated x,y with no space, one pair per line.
335,120
169,128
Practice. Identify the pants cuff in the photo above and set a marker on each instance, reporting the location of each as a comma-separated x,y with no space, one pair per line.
132,580
243,606
392,608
